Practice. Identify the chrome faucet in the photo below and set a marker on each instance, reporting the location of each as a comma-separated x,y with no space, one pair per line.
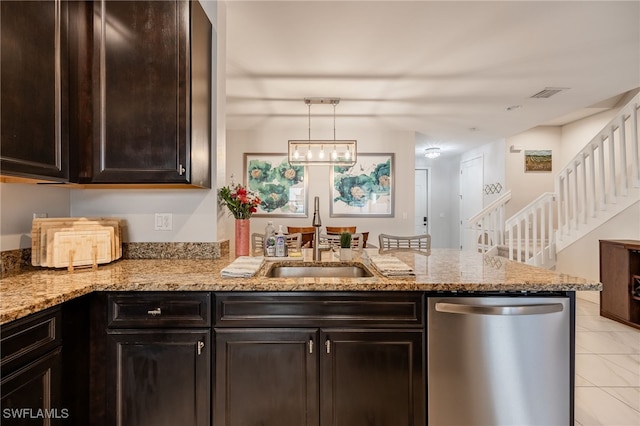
317,223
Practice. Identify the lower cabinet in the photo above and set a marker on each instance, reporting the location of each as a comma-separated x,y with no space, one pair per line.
31,365
31,395
371,378
330,375
158,377
158,359
266,377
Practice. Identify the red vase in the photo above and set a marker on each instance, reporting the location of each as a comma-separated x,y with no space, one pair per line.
242,237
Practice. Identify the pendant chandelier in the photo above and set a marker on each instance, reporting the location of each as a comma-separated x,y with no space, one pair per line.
323,152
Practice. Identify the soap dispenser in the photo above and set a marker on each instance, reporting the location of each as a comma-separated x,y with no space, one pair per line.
281,243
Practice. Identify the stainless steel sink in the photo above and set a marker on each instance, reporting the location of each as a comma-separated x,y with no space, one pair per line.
318,270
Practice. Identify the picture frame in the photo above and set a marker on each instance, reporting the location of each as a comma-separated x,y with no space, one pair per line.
366,189
281,187
537,160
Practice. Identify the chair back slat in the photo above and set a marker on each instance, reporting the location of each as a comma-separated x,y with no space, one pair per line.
412,242
333,240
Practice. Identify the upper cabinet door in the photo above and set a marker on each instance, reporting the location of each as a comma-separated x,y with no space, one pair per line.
34,139
143,93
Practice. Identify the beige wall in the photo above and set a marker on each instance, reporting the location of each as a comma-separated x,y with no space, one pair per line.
267,140
582,258
18,203
527,186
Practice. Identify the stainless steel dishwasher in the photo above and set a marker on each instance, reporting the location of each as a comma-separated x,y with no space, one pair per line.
499,361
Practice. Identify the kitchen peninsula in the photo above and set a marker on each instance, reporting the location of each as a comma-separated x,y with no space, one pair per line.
298,348
441,270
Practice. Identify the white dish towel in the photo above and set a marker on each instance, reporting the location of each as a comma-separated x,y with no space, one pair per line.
243,267
390,266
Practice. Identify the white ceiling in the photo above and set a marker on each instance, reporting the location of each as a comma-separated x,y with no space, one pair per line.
445,69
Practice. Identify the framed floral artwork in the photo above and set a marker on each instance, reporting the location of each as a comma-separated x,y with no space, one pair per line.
364,189
282,188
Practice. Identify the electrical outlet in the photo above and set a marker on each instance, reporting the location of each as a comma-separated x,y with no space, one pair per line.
40,215
163,222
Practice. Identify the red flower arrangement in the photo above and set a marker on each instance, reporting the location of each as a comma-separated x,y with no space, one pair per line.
241,202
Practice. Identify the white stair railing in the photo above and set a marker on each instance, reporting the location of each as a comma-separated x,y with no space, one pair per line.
531,232
489,224
601,180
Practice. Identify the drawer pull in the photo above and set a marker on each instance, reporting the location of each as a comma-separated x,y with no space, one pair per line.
327,344
155,312
200,347
310,346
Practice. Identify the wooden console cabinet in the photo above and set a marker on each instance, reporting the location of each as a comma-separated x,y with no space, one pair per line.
620,277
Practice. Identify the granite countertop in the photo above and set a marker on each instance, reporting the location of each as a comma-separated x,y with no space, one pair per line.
440,270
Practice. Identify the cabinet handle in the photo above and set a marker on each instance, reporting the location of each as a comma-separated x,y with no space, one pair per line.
181,169
154,312
310,345
200,347
327,344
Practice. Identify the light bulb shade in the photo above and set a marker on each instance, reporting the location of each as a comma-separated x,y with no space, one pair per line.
433,152
309,152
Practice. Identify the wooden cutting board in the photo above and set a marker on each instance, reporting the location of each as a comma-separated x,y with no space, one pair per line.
41,226
79,247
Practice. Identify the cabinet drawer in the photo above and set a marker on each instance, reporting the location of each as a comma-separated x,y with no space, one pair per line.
26,339
375,309
153,310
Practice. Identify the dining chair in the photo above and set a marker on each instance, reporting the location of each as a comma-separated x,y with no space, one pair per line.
293,241
307,234
412,242
350,229
340,229
333,240
257,243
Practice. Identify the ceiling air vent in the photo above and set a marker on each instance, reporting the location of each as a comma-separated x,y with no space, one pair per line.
548,92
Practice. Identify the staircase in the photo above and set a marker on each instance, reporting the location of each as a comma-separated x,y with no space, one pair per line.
601,181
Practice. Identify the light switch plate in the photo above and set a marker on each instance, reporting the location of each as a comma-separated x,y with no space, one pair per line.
163,222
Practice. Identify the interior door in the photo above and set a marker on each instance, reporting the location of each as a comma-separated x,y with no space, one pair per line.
471,183
421,218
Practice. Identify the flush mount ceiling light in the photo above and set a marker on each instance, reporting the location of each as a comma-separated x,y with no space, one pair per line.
433,152
323,152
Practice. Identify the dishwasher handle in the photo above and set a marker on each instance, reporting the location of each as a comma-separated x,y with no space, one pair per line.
536,309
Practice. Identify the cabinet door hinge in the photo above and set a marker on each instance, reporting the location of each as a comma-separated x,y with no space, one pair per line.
200,347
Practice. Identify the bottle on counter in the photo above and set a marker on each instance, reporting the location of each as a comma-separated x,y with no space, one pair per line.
269,241
281,243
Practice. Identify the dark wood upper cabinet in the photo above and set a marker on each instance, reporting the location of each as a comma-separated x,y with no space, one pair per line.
106,92
34,141
150,93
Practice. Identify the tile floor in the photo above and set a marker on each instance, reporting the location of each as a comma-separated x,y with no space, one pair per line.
607,369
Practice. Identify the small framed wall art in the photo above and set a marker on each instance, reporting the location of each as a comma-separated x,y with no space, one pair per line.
537,160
